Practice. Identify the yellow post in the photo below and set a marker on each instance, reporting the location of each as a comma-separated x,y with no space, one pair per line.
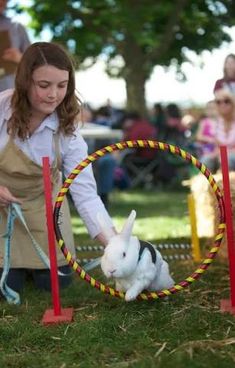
196,253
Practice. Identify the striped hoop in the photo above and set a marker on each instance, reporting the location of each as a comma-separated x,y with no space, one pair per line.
141,144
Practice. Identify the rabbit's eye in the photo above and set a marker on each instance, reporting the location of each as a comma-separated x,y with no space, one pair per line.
124,254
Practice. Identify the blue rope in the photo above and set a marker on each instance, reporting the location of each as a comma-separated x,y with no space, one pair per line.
14,211
11,295
37,247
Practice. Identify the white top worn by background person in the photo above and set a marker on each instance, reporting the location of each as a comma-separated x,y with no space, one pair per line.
73,151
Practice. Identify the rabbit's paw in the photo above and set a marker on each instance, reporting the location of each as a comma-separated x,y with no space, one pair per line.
130,295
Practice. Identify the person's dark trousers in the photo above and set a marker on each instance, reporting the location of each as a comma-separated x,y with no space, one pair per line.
17,276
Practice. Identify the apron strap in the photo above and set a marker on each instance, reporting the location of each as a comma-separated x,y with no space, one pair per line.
57,150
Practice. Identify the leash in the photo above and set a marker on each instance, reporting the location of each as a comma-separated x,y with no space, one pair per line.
14,211
11,295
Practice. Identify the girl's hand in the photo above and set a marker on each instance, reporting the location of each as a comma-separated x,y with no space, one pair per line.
6,197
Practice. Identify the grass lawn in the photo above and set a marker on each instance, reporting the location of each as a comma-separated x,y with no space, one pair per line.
187,330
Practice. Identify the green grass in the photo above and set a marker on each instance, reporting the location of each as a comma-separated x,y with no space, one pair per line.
187,330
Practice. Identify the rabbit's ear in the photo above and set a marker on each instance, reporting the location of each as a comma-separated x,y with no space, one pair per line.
107,231
128,226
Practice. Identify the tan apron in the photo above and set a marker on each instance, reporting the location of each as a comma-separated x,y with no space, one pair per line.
24,179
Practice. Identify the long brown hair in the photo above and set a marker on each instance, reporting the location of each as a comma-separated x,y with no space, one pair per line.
229,56
36,55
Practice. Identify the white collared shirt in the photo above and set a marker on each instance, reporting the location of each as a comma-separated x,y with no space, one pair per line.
73,150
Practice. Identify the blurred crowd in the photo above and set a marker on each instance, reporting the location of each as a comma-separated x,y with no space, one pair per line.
199,131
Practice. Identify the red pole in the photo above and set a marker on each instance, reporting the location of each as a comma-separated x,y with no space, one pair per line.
228,305
55,315
51,236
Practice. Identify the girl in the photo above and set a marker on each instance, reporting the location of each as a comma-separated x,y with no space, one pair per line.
39,118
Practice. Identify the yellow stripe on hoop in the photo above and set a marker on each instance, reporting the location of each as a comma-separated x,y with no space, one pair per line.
222,225
214,250
59,199
172,148
161,146
178,287
68,180
112,291
130,144
199,270
76,171
210,178
144,296
219,236
140,143
190,279
64,190
120,146
84,164
60,242
109,148
182,153
69,257
92,281
215,187
100,153
166,292
203,168
194,160
207,261
83,274
91,158
154,295
75,266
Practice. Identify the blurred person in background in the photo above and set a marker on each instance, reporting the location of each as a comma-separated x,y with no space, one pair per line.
158,120
228,79
104,168
19,42
174,125
206,130
135,127
224,131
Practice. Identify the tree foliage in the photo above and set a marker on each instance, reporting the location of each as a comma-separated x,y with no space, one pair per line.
134,36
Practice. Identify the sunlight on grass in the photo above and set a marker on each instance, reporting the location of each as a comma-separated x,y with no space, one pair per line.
148,228
162,227
159,215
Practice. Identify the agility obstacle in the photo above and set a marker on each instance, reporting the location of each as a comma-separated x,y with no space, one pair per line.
187,255
228,305
57,314
184,251
141,144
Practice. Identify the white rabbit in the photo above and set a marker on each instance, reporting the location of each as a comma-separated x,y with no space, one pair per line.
133,266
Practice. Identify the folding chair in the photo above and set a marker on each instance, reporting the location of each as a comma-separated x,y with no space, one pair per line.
140,170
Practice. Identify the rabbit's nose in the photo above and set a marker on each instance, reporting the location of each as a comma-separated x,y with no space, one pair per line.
112,272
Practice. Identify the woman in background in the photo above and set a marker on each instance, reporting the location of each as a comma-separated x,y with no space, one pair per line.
223,132
228,80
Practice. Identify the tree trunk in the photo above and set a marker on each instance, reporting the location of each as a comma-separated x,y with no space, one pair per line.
134,74
135,89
